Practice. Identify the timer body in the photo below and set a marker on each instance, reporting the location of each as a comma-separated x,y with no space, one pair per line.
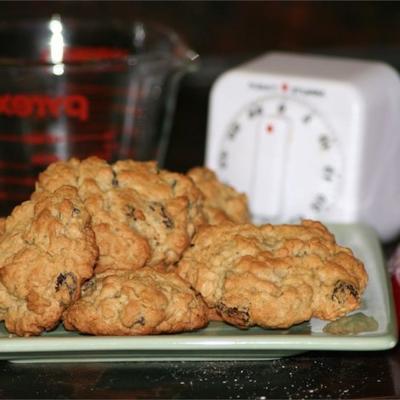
310,137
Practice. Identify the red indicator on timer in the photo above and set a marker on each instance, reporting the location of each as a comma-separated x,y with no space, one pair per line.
269,128
284,87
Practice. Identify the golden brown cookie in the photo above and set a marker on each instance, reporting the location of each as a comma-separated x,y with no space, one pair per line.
141,302
222,202
273,276
141,215
2,225
47,251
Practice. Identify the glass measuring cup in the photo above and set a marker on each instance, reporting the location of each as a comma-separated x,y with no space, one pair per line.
80,88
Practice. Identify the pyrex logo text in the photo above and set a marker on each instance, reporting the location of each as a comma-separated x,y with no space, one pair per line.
43,106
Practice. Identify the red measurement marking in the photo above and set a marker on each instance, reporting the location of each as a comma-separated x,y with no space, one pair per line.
269,128
43,159
81,54
284,87
14,165
48,138
18,180
100,137
24,105
110,145
13,196
30,138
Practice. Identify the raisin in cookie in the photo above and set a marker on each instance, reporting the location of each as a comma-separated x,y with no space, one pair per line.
222,203
47,250
140,302
141,215
273,276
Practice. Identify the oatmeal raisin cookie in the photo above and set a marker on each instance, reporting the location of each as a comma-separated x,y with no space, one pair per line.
222,202
141,302
47,250
141,215
273,276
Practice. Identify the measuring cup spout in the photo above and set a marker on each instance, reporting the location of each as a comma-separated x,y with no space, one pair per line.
183,57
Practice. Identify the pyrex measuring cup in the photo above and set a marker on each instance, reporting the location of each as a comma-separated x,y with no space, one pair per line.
80,88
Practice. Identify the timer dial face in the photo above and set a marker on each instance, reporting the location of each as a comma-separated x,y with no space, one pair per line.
285,156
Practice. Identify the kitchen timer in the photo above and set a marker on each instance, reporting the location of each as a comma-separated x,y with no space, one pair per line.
308,136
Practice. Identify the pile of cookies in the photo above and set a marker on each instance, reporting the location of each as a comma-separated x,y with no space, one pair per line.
131,249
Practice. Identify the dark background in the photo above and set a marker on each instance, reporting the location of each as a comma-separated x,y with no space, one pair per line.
226,33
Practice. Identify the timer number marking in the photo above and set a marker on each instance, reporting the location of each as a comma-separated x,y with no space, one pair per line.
233,131
255,111
324,142
223,159
281,108
319,203
328,173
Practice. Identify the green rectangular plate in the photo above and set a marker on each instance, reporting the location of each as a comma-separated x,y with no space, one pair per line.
222,342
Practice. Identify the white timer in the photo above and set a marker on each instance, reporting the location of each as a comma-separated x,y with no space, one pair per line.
310,137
